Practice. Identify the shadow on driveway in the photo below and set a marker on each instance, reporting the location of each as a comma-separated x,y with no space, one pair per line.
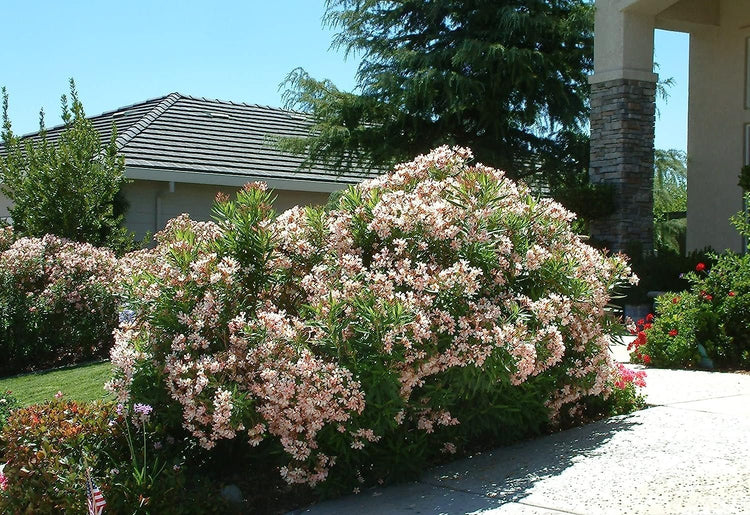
485,481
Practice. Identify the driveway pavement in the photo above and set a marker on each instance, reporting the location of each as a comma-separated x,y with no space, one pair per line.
687,454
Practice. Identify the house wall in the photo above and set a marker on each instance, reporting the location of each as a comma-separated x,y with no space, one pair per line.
152,204
717,113
144,216
716,125
4,205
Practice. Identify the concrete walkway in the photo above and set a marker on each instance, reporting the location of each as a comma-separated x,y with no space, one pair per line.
689,453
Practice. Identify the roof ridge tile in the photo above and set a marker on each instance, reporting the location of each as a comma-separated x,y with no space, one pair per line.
244,104
147,120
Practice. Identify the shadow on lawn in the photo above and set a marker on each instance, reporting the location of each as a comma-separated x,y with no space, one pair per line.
485,481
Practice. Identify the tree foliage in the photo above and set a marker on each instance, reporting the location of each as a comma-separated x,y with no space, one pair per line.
70,187
507,78
670,199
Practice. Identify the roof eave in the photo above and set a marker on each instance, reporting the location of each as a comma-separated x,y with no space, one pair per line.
237,180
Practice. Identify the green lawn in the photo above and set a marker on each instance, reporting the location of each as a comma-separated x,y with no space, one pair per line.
80,383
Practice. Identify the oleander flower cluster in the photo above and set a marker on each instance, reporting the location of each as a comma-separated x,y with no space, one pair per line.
429,295
459,267
59,301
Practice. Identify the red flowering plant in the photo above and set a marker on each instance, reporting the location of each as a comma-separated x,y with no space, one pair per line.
635,346
707,325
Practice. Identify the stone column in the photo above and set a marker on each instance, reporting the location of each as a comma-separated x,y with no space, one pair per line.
622,154
622,118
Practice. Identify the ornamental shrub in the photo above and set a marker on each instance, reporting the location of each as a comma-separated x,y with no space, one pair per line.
707,324
58,303
48,447
435,307
46,450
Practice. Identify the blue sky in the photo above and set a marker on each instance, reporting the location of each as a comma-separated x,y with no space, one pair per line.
124,52
671,54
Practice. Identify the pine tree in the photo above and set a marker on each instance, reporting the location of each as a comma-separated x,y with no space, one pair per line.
507,78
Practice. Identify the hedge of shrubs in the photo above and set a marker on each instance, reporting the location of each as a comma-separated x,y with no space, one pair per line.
435,309
58,302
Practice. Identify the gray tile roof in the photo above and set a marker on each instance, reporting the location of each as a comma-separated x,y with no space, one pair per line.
187,134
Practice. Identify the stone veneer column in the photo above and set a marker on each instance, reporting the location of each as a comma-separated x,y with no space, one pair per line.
622,154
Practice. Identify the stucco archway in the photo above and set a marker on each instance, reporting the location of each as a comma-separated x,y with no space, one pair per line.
622,114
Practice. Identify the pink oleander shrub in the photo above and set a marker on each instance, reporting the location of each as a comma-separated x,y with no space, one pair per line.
58,303
435,307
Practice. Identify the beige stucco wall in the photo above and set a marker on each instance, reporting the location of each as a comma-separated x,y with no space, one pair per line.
623,42
152,204
144,217
4,205
716,124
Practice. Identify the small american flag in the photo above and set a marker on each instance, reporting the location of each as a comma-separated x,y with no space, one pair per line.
94,498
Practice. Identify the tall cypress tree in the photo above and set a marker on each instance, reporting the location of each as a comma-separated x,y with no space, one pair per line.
71,187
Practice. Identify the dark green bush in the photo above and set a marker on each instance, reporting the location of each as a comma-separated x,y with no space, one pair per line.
69,186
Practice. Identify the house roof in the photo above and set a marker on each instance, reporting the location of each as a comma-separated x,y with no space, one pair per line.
189,139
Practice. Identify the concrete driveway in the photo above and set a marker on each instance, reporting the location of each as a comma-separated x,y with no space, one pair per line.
687,454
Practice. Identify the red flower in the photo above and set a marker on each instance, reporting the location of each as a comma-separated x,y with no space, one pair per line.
673,332
646,359
700,267
706,296
731,294
675,300
650,317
